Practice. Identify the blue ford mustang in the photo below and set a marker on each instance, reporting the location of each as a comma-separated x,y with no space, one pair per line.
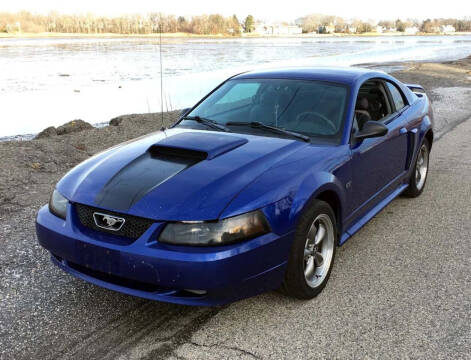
252,189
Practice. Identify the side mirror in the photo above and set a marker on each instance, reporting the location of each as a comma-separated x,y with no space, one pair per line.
183,112
371,129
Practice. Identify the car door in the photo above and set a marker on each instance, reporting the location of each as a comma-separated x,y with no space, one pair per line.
378,163
407,129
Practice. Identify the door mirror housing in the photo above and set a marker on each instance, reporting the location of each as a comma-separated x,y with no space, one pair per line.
183,112
371,129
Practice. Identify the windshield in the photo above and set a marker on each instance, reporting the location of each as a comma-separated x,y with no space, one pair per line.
312,108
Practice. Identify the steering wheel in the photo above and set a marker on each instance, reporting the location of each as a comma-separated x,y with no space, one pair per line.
301,117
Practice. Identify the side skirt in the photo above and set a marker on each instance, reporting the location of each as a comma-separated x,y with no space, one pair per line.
370,214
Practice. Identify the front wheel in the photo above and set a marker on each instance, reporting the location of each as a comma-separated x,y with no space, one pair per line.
312,253
420,171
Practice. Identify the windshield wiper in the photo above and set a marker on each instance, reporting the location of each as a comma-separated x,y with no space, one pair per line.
210,123
256,124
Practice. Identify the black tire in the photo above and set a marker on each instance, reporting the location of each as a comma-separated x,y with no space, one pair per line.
295,283
416,188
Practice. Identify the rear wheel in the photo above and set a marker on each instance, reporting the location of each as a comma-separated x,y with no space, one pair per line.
420,171
312,253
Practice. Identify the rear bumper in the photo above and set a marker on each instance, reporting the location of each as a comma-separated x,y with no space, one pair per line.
155,271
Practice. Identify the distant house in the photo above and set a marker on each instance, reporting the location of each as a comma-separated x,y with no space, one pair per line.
260,28
351,29
326,29
15,27
411,30
447,29
329,29
287,30
277,29
379,29
239,30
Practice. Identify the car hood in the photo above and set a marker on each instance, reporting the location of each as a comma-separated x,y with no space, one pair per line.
180,174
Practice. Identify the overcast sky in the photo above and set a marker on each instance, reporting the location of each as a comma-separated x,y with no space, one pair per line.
262,9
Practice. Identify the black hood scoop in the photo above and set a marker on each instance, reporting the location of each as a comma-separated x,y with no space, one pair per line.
173,152
210,143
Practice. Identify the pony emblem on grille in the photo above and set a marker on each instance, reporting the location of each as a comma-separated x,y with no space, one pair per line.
108,222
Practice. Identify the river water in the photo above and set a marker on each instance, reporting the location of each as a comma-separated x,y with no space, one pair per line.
47,82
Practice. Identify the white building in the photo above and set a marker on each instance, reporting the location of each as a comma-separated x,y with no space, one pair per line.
287,30
447,29
379,29
277,29
351,29
260,28
411,30
15,27
330,29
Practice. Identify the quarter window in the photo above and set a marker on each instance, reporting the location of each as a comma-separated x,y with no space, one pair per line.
396,95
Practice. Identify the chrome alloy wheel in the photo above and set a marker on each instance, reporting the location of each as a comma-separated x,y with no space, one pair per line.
421,167
318,250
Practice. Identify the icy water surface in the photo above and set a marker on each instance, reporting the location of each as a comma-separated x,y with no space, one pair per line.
47,82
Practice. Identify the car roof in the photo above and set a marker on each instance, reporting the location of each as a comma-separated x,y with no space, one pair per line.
345,75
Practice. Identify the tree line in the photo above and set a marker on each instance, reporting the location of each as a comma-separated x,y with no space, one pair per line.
213,24
152,23
324,23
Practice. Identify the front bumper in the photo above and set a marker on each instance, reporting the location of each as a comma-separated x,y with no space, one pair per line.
149,269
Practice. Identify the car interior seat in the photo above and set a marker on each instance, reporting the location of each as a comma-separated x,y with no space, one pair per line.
361,111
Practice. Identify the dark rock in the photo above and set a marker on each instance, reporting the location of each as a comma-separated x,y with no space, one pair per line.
73,127
47,132
116,121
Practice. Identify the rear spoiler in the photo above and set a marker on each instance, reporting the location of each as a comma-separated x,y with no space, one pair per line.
416,89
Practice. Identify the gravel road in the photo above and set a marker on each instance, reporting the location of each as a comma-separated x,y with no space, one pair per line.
400,288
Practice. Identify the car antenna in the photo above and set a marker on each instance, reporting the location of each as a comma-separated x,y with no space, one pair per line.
162,127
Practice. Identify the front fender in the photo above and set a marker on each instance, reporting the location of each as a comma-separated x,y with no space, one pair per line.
312,187
284,189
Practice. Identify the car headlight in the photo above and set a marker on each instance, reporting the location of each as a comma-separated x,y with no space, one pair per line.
226,231
58,204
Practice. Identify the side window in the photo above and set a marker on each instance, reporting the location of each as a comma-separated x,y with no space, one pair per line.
396,95
372,103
